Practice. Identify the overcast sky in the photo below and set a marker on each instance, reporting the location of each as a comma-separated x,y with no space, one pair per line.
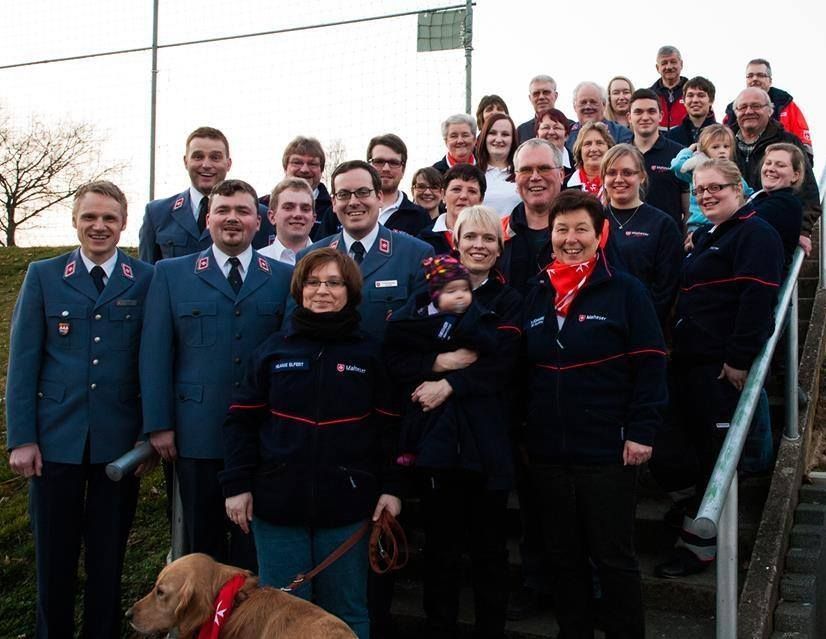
355,81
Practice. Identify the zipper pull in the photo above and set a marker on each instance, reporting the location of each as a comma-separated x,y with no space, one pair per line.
558,343
352,481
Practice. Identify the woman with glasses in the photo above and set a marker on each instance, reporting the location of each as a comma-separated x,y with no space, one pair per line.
646,238
724,315
495,148
428,190
552,125
459,134
302,441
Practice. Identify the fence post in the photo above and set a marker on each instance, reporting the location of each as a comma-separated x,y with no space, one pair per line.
727,566
792,428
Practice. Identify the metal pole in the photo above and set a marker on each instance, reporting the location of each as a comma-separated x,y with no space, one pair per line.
177,517
792,430
468,52
822,251
153,110
727,567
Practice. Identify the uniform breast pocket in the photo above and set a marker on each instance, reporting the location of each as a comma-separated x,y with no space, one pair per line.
274,311
392,297
125,322
198,323
173,244
68,325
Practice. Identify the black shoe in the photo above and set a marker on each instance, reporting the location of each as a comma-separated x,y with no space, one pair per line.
524,603
682,563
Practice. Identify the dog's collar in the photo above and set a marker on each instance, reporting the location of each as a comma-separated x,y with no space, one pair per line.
211,628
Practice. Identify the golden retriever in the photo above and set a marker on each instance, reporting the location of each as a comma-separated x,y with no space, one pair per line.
185,592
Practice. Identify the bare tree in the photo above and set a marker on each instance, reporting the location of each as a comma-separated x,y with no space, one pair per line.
41,166
336,152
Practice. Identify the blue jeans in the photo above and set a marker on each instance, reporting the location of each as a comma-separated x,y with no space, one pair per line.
341,589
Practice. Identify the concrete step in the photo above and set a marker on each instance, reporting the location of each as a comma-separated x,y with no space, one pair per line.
410,621
795,617
788,635
798,588
801,560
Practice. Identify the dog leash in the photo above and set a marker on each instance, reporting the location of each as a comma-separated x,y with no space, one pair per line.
388,549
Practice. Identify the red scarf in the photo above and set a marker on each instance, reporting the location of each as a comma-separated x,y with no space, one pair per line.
211,629
568,280
449,238
591,185
452,161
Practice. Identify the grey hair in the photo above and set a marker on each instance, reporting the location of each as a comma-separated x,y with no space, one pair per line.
541,78
594,85
762,61
764,95
536,143
459,118
668,50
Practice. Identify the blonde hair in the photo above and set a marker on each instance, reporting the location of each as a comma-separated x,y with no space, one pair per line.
728,169
714,132
485,217
798,160
599,127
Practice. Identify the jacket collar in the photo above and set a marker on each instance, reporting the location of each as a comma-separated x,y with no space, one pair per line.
77,276
208,269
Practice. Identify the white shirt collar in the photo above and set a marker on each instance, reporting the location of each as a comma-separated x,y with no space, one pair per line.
278,251
108,266
388,210
195,196
223,260
441,223
367,241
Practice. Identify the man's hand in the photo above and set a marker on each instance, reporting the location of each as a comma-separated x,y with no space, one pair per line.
454,360
806,244
635,454
149,465
390,503
735,376
432,394
26,460
163,441
239,510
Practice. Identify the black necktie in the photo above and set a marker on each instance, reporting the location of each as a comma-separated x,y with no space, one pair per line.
358,252
97,274
202,213
234,276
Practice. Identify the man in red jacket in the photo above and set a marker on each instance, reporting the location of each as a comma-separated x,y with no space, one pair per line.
669,88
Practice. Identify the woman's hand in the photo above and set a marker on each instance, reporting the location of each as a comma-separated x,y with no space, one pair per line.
432,394
454,360
635,454
806,244
735,376
688,242
390,503
239,510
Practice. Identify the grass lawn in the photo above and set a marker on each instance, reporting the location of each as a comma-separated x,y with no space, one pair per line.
149,541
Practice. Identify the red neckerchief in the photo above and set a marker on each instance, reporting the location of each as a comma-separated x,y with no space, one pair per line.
592,185
449,238
211,628
452,161
568,280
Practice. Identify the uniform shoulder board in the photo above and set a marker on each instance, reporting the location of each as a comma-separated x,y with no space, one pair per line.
178,203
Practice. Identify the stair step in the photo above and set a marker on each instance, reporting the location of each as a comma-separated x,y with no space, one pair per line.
798,588
801,560
794,617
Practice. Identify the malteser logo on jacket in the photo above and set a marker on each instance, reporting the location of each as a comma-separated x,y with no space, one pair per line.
350,368
600,318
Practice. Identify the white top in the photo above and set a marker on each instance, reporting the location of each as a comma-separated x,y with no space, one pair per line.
195,196
500,195
223,261
278,251
367,241
388,210
108,266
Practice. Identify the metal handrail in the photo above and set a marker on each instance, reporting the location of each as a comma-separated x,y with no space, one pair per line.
718,511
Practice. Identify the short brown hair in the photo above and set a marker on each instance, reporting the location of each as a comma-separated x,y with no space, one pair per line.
350,273
599,127
207,132
432,176
484,103
231,187
352,165
391,141
294,184
573,200
303,146
100,187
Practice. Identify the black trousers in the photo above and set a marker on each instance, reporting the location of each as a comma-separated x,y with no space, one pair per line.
461,514
206,526
535,567
70,504
588,513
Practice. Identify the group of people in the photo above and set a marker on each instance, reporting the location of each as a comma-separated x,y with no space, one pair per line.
557,304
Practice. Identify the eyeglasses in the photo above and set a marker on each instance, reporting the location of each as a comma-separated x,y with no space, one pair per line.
699,191
380,162
426,187
315,283
762,76
344,195
745,107
626,173
544,170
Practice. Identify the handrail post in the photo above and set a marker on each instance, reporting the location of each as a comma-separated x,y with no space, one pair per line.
822,251
177,517
727,566
792,428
